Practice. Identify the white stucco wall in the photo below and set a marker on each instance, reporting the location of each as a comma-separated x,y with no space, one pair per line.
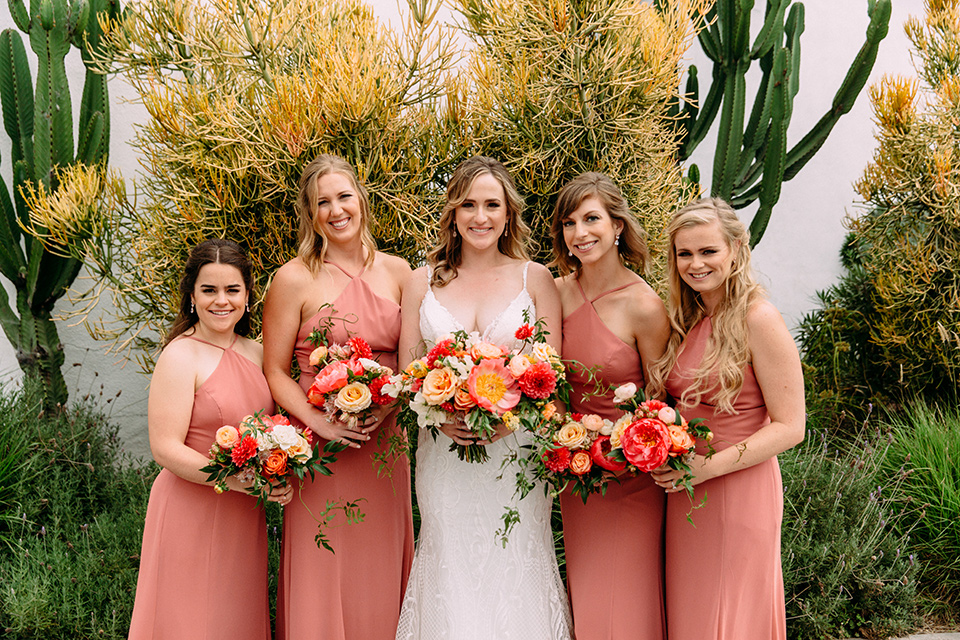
797,257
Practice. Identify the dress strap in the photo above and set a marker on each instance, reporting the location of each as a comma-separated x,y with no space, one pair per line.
614,290
525,267
345,272
583,294
235,338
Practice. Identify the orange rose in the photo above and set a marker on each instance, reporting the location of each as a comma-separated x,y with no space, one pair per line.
462,401
276,463
549,410
680,440
485,350
580,463
439,385
227,436
571,435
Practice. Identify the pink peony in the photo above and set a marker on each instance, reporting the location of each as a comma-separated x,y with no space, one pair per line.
492,387
646,444
331,377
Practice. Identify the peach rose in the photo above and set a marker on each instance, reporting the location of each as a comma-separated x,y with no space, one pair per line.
592,422
667,415
571,435
519,365
462,400
486,350
680,440
227,436
618,428
580,463
549,410
353,398
543,352
439,385
318,355
300,450
276,463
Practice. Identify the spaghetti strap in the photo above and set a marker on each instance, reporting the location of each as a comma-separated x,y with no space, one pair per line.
614,290
236,337
582,292
525,267
345,272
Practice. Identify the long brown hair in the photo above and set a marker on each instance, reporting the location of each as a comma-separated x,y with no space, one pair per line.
447,255
728,351
212,251
632,246
313,242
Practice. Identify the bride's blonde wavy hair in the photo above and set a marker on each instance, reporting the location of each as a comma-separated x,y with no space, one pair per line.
728,351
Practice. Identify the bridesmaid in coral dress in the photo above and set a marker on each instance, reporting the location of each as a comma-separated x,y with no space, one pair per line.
203,567
614,322
356,591
731,360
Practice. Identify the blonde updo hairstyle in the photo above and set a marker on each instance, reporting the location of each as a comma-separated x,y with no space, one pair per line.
447,255
313,241
632,246
728,352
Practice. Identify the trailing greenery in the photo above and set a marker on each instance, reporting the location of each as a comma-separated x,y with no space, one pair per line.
752,160
926,448
72,527
891,328
847,566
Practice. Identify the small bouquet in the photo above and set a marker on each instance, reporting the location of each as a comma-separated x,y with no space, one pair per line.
480,384
348,386
576,452
652,434
266,451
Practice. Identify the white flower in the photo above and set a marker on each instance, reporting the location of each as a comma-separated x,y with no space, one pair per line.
607,428
624,393
372,365
285,436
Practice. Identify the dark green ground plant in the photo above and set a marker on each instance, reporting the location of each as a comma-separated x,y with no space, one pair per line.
72,543
847,567
927,447
891,328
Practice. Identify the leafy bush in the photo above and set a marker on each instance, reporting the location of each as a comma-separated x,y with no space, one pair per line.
73,526
927,447
846,565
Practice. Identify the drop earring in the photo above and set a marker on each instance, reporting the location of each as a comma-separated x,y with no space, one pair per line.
616,241
248,307
191,306
569,253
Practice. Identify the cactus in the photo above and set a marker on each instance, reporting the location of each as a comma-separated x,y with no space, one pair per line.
39,122
752,159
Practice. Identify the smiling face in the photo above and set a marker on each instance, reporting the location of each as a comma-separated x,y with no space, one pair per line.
704,259
219,296
589,232
482,216
338,215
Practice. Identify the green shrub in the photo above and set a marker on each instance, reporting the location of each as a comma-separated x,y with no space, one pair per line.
927,448
846,565
73,534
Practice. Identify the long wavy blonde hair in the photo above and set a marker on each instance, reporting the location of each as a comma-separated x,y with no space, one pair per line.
728,350
313,242
447,255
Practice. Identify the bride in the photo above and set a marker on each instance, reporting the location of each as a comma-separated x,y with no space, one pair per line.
478,279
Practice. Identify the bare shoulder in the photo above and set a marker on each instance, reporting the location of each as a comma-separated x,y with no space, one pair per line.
292,275
763,317
394,263
539,275
178,357
415,284
252,349
644,302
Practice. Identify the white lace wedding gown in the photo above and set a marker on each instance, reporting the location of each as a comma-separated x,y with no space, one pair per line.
464,584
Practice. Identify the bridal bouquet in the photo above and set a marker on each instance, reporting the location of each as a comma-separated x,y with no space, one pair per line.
266,451
349,383
482,385
652,434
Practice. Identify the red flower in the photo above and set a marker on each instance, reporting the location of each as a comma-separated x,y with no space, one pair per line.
524,332
599,450
538,381
375,386
360,347
440,350
646,444
244,451
557,460
649,408
576,417
448,407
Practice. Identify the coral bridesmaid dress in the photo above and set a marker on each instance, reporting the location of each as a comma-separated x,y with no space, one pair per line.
356,591
203,564
724,580
614,543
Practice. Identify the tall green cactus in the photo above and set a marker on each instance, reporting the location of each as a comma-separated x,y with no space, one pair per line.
40,124
752,159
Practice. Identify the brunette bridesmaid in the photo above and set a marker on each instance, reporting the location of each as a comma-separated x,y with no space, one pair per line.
731,360
615,323
203,564
356,591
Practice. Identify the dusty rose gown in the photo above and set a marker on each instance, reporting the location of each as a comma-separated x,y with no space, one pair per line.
356,591
203,563
614,543
724,580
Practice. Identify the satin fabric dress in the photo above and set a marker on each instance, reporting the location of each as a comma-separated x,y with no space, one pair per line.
203,563
723,576
614,542
356,591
